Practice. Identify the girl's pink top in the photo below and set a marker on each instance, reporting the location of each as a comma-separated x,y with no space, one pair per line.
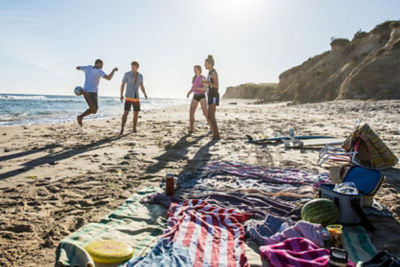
197,83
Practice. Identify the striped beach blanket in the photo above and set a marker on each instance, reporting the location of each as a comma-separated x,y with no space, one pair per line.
358,244
266,174
199,234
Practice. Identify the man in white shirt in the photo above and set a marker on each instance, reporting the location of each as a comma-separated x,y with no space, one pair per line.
90,89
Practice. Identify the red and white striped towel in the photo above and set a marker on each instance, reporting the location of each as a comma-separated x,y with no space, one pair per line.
213,235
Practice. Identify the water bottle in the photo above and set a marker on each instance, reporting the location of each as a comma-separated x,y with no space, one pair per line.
338,257
169,184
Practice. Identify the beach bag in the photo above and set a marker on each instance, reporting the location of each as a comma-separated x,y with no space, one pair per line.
384,259
367,182
371,150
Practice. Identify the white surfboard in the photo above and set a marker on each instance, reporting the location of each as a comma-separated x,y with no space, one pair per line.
313,143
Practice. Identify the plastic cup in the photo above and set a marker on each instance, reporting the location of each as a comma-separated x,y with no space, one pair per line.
335,234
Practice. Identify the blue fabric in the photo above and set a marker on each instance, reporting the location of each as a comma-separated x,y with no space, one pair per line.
261,232
163,254
366,180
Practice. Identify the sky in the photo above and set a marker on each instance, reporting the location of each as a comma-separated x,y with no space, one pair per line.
42,41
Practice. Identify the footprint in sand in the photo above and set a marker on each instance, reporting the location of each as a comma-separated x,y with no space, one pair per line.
19,228
42,192
102,202
53,189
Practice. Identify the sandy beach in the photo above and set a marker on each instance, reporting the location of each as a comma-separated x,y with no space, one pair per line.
56,178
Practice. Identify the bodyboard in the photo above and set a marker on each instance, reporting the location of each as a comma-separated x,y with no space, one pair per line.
310,143
260,138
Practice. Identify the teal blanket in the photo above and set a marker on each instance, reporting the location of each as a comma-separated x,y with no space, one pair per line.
138,225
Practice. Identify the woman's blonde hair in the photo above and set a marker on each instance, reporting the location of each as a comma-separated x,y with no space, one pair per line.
196,67
210,60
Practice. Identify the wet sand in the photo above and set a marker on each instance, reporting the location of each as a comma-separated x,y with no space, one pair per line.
56,178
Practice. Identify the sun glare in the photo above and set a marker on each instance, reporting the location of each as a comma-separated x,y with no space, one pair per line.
237,7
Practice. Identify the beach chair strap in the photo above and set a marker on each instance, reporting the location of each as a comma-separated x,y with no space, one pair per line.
364,221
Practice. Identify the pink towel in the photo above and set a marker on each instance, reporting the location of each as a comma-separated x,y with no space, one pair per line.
295,252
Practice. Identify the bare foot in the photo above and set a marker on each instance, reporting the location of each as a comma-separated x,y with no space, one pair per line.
79,118
122,132
216,137
134,130
190,132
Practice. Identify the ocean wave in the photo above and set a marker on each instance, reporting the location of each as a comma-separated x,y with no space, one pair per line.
65,100
42,109
44,113
7,119
14,116
41,98
23,97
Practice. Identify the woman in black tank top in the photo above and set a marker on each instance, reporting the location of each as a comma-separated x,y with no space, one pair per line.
213,94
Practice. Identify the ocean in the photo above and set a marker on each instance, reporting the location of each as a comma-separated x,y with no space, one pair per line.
23,109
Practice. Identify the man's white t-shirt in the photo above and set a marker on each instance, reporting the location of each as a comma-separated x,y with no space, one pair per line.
92,78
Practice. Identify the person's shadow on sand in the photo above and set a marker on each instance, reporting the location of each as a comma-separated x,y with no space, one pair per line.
57,156
201,158
29,152
175,152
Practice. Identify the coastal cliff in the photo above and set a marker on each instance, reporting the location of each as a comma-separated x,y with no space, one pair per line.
250,91
366,67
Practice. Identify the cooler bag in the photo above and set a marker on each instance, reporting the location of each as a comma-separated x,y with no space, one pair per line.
367,182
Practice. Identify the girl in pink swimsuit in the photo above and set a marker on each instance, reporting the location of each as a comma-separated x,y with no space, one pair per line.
198,90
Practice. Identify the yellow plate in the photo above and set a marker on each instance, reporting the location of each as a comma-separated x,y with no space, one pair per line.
109,251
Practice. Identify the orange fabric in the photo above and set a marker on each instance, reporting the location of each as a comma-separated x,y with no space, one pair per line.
132,100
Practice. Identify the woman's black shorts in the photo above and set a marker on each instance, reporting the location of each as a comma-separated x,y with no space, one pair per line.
199,97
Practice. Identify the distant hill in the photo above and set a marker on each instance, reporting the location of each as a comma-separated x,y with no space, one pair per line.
250,91
367,67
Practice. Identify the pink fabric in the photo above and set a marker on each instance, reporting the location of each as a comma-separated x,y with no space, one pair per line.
296,252
197,83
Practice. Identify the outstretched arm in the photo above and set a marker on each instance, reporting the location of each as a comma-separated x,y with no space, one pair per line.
143,90
122,91
109,76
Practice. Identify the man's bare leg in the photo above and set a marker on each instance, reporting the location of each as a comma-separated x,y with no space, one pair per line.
92,108
135,119
123,122
84,114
